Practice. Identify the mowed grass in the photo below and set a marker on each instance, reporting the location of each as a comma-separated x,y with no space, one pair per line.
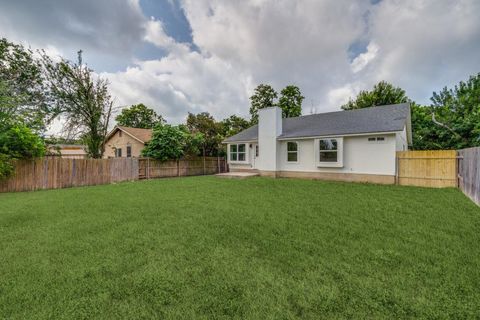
260,248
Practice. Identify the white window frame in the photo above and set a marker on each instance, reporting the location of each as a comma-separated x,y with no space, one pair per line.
237,152
339,151
288,152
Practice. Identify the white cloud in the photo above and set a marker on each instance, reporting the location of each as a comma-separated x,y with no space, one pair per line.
363,59
418,45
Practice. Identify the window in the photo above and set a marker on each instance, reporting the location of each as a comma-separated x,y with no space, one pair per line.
129,151
292,152
238,152
328,150
256,151
376,139
118,152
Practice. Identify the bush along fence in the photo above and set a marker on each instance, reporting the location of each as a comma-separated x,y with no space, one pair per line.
57,173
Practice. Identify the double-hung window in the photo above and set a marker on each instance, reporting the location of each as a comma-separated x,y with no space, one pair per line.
330,152
118,152
238,152
292,151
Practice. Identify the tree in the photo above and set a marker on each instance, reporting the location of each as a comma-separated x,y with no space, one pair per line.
233,125
383,93
456,114
139,116
17,141
291,102
167,143
83,100
210,129
22,81
263,97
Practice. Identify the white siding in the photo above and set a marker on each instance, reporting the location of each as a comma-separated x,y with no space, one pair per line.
359,156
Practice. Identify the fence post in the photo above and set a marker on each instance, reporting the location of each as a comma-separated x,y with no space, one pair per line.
178,167
203,164
148,168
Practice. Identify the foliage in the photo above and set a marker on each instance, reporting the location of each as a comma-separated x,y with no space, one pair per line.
24,95
259,248
457,114
383,93
17,141
233,125
168,142
291,101
83,100
139,116
211,130
263,97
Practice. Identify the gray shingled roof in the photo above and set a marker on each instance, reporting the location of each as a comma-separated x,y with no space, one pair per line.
387,118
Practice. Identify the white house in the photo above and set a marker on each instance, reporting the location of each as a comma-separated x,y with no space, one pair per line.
354,145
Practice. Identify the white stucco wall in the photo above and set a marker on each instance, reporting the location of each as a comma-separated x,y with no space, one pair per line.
359,156
269,128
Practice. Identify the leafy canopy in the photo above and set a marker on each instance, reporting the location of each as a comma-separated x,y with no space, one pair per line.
24,94
263,97
456,113
203,123
171,142
139,116
383,93
233,125
291,101
83,100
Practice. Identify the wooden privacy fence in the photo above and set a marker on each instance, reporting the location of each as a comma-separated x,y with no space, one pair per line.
469,173
437,168
57,173
150,168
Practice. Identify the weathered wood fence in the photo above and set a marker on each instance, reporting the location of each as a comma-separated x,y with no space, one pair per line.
436,168
150,168
57,173
469,173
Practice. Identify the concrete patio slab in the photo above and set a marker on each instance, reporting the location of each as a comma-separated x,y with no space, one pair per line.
237,175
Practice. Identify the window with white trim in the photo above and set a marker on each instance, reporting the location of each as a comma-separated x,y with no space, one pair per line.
238,152
329,152
328,149
292,151
118,152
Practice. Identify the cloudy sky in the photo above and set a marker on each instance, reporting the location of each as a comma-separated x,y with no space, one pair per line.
208,55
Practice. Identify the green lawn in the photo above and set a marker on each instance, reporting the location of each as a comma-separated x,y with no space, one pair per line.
211,248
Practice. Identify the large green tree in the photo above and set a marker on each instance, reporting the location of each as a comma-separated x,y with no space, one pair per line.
383,93
82,100
290,101
263,97
24,94
139,116
456,114
233,125
172,142
210,129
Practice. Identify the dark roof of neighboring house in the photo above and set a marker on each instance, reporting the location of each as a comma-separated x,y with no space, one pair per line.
388,118
142,135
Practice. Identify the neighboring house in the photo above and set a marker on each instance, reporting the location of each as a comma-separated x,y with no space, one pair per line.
354,145
70,151
126,142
